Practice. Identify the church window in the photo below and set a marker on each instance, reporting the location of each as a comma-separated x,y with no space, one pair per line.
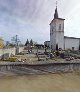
53,27
51,46
59,26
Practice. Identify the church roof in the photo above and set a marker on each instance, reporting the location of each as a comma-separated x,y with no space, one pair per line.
56,16
58,19
47,41
71,37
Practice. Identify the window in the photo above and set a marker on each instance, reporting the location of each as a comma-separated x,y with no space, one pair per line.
51,46
59,26
53,27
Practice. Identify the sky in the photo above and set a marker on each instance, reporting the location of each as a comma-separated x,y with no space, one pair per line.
30,19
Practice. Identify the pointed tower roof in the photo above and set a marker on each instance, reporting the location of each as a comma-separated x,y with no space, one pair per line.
56,13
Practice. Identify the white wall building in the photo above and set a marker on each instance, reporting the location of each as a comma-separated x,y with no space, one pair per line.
57,37
47,43
72,43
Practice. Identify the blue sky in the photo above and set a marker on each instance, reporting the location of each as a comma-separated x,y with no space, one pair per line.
31,18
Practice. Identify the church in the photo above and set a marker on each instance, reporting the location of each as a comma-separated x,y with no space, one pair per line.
57,38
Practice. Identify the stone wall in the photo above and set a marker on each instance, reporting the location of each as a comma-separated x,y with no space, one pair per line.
23,68
10,51
21,49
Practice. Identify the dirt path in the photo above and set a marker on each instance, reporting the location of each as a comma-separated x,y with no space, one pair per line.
41,83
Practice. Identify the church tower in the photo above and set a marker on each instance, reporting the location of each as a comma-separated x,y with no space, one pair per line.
57,32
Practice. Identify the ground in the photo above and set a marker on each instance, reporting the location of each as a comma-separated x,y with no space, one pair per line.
67,82
32,58
60,82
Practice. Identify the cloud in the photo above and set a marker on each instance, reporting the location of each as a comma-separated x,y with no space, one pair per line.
31,18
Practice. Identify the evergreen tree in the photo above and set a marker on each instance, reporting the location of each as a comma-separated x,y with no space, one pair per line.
31,42
27,42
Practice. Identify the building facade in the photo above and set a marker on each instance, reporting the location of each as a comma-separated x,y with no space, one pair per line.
72,43
47,44
57,38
